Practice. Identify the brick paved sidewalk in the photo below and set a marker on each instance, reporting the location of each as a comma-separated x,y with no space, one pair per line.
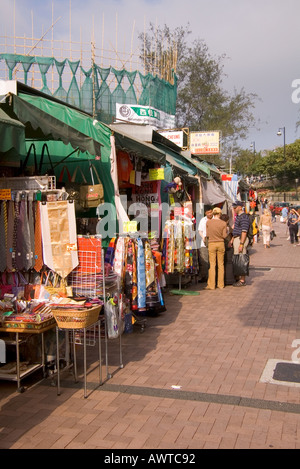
193,379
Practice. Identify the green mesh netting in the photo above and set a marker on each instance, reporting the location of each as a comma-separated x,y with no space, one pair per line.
98,89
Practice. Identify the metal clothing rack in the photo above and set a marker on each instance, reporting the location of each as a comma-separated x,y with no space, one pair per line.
88,280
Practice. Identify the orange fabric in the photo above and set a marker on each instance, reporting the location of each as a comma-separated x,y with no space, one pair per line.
124,166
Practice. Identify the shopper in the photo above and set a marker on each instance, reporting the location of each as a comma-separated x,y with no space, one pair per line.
284,214
229,277
216,232
292,223
240,239
265,225
203,251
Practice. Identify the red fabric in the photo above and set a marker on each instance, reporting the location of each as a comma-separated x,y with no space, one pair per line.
89,255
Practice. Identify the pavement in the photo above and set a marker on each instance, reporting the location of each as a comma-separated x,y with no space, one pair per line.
200,375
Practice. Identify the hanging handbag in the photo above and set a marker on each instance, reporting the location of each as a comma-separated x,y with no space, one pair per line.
5,287
91,195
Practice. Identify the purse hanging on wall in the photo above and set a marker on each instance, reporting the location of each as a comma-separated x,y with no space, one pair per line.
91,195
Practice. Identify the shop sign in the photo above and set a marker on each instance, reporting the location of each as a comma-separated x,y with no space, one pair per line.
226,177
145,115
205,143
146,199
174,136
156,174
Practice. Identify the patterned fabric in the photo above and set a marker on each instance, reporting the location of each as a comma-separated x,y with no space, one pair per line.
15,233
38,245
141,275
59,237
2,237
118,264
134,300
10,236
23,243
151,285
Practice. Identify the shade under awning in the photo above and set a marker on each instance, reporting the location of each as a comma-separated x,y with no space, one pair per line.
176,160
131,144
12,135
50,120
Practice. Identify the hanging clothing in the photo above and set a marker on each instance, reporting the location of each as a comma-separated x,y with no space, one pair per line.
59,236
3,235
141,275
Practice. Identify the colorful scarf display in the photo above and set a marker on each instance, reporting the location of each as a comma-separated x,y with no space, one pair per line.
141,275
179,250
134,264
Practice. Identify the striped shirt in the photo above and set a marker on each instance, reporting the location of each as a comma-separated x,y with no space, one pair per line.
242,223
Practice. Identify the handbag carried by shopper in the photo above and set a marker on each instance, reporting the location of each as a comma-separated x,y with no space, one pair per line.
240,264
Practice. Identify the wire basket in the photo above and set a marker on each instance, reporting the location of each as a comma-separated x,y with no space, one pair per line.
76,318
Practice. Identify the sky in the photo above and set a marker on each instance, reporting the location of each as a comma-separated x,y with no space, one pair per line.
260,38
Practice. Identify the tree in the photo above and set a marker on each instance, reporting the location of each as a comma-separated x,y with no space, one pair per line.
202,102
248,163
283,166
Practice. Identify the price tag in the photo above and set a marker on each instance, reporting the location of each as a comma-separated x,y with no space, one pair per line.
5,194
130,227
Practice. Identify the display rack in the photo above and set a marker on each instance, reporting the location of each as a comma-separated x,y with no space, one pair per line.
43,183
21,335
88,280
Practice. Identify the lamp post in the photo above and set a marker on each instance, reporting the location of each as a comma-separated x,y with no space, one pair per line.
279,133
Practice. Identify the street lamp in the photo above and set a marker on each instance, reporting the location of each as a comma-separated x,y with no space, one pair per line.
279,133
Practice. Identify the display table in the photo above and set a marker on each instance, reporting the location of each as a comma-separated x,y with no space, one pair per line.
20,337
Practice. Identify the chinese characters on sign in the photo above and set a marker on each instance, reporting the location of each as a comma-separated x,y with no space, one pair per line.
205,143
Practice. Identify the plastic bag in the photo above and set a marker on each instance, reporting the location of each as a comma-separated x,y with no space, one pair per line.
111,312
240,264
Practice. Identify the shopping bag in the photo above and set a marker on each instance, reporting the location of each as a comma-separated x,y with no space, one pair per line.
91,195
240,264
111,312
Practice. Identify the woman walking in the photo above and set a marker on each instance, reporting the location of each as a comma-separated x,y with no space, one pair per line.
266,226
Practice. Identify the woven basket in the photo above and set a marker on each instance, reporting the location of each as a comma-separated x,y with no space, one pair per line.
76,318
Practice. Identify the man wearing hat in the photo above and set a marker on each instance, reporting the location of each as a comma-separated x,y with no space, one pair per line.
216,232
240,240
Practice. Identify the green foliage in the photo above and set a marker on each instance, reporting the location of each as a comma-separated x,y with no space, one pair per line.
281,165
202,101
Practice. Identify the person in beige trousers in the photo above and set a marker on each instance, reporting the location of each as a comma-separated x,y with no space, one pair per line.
265,224
216,232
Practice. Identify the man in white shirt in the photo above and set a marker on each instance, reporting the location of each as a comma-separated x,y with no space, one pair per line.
203,251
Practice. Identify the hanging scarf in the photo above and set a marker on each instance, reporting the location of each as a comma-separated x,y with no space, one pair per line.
179,244
141,275
110,252
59,236
134,300
128,284
118,265
151,286
170,248
3,226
